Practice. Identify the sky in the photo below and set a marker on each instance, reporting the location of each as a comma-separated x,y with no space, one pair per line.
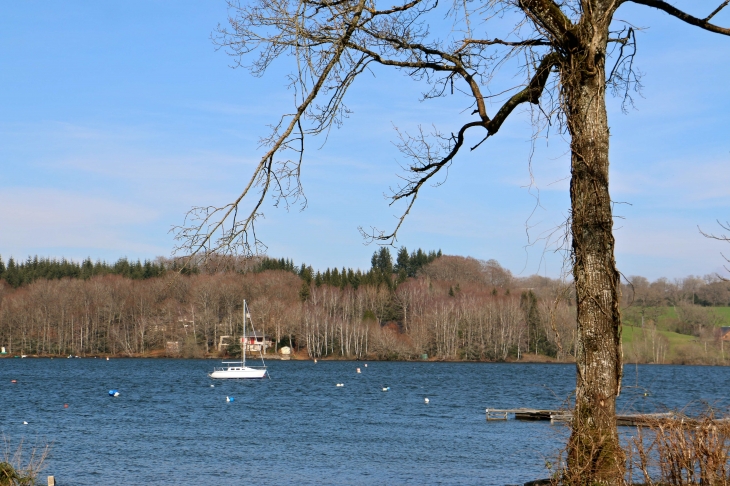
117,117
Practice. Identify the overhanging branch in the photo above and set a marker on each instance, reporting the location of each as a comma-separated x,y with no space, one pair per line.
427,161
690,19
207,222
531,93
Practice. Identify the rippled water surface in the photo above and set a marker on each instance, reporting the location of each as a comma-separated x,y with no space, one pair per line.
169,426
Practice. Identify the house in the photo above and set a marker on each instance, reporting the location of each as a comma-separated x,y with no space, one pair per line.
257,341
172,348
724,334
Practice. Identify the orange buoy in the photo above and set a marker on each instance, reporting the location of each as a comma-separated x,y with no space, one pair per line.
13,381
65,405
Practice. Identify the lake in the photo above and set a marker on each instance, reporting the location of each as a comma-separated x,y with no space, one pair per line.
169,426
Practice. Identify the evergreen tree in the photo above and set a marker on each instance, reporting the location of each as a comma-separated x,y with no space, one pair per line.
402,261
327,277
304,291
382,261
306,273
87,269
335,279
12,275
539,343
355,278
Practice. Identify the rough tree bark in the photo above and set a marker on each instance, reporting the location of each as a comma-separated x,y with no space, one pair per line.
594,452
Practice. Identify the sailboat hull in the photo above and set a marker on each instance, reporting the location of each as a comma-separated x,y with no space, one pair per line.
238,372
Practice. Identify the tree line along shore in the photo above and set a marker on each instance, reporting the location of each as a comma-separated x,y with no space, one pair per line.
414,306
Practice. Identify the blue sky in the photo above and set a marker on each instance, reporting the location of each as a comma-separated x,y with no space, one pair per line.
117,117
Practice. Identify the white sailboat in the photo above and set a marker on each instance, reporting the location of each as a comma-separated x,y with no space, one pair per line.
238,369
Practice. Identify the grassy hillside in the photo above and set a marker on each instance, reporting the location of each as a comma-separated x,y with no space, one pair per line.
723,313
668,318
650,346
631,333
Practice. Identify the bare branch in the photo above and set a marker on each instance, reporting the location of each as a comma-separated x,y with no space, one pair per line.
715,12
721,237
675,12
530,94
492,42
623,76
547,14
207,222
428,160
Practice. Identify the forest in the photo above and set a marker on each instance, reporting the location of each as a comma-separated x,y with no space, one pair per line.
404,308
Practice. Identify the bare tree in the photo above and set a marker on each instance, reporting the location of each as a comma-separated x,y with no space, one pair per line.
721,237
561,48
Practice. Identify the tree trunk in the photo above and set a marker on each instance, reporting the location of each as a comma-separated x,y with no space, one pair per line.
594,452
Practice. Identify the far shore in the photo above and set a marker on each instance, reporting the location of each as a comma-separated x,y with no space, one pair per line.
302,356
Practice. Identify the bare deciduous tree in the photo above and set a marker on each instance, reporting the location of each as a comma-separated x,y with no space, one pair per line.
562,48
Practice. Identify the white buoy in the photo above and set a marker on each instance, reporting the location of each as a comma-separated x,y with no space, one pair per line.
386,388
212,386
358,370
315,360
107,358
340,384
25,423
366,365
426,400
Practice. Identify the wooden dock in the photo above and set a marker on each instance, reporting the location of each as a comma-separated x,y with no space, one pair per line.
630,420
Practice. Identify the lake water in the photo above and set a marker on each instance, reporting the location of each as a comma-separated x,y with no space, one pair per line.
169,426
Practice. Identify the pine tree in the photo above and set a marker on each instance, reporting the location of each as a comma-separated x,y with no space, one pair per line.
382,261
355,279
537,335
335,279
12,275
304,291
402,261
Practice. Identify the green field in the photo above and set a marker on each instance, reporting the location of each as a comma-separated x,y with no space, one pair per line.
663,347
724,313
667,318
675,339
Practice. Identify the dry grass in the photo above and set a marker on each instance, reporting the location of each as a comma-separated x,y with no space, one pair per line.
665,451
20,468
682,451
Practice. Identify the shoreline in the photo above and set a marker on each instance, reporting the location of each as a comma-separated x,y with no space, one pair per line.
529,359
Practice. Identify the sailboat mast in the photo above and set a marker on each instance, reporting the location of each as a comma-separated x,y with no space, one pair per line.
243,339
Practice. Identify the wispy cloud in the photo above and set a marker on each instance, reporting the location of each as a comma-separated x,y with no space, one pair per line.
676,182
48,218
